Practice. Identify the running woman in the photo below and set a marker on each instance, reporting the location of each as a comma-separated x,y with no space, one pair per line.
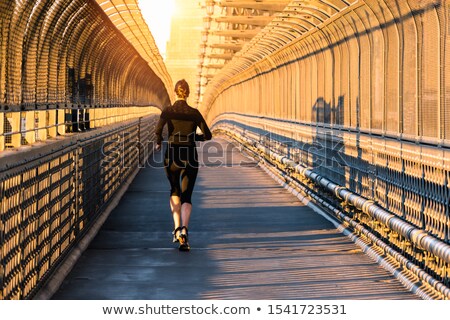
181,158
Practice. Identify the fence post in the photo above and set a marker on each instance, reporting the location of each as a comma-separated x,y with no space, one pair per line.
2,137
30,135
52,123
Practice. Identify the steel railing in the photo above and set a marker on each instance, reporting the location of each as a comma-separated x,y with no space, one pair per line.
52,195
414,221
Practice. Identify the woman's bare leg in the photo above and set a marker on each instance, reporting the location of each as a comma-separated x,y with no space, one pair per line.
186,209
175,206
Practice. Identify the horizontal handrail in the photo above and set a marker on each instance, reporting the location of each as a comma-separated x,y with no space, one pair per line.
53,193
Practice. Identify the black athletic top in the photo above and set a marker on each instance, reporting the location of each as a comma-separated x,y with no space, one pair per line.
182,121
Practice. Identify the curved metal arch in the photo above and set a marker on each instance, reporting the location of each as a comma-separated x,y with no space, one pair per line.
82,40
218,82
101,59
282,33
99,43
114,70
52,39
101,78
51,36
273,35
382,20
97,34
138,81
30,52
142,38
302,48
52,16
82,62
348,49
286,38
90,66
103,67
72,32
364,44
311,18
255,56
109,55
336,55
330,38
124,57
230,72
130,75
287,54
284,55
286,28
14,50
65,27
6,13
132,61
323,57
338,4
315,7
302,28
267,44
302,22
270,41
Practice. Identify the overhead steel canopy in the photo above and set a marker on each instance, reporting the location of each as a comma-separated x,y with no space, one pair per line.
287,26
248,20
229,24
245,34
78,53
127,17
267,5
228,46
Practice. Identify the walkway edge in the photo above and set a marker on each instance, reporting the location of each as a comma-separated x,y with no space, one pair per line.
55,281
380,260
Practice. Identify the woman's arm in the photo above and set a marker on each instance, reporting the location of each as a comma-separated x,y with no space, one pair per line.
159,128
204,127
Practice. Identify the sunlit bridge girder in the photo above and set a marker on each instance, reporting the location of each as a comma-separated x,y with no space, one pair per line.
267,5
246,20
126,16
227,46
245,34
227,21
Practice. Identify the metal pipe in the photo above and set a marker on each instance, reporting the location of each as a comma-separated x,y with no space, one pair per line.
421,274
417,236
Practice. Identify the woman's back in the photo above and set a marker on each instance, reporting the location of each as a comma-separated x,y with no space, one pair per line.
182,121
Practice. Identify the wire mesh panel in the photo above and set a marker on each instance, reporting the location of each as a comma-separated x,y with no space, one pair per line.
408,47
408,180
445,18
392,61
11,253
49,202
70,55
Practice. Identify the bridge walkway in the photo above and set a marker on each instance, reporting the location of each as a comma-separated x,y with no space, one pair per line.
250,238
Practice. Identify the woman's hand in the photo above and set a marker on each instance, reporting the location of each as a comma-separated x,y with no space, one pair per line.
199,137
158,147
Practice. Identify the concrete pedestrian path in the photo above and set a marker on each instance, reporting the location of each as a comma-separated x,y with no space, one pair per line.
250,239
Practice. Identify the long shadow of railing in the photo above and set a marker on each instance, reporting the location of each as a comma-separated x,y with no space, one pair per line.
355,160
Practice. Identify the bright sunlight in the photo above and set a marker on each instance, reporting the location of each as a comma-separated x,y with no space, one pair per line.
158,15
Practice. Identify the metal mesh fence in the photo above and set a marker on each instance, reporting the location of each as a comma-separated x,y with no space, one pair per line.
366,106
63,59
378,67
51,197
412,185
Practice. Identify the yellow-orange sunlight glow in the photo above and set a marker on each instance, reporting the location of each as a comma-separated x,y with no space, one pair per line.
158,15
